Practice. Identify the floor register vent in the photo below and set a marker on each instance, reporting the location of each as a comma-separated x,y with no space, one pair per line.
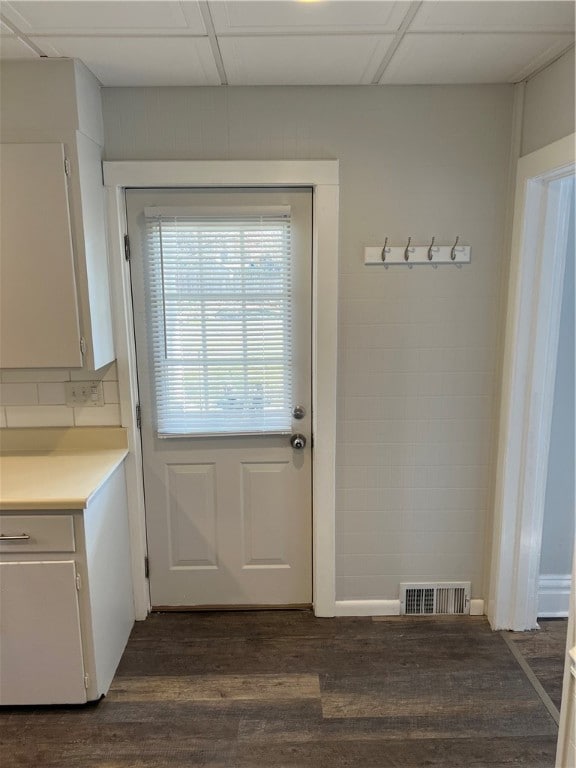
440,598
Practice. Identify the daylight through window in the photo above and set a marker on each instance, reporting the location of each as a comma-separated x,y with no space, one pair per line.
219,292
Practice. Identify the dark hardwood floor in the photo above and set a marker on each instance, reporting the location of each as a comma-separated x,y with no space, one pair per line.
544,650
286,690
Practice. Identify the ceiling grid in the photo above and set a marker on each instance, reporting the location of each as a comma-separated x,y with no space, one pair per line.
286,42
209,24
404,27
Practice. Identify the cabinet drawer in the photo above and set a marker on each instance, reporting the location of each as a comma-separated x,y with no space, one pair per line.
36,533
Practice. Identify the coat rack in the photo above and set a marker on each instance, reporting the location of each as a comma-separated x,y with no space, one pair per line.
409,254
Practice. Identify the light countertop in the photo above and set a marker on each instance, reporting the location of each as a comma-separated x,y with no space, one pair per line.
63,474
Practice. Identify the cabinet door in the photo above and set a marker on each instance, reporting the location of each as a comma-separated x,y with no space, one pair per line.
39,321
41,659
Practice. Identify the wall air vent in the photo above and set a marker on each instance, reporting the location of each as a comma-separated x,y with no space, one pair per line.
437,598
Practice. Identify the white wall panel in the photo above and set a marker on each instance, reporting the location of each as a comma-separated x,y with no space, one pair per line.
39,416
549,105
37,397
415,348
49,393
104,416
18,394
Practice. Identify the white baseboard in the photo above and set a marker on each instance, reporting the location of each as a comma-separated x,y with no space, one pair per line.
386,608
554,595
367,608
477,607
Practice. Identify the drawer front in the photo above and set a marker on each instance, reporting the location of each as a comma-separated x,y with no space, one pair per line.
36,533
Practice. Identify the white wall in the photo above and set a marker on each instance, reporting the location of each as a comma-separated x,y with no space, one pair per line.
548,116
558,532
416,347
37,398
549,105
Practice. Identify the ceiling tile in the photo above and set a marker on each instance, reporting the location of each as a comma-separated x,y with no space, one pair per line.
141,61
536,16
258,17
88,16
191,11
12,48
452,58
342,60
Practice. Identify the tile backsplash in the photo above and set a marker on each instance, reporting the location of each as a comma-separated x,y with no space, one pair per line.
37,398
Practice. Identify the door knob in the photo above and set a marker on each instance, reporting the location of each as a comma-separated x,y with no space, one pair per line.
299,412
298,441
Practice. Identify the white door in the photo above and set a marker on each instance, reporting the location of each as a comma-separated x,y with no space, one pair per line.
222,306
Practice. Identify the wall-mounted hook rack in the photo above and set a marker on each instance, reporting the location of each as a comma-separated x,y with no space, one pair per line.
384,250
409,254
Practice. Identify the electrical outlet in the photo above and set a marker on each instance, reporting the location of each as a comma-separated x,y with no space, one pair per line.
84,393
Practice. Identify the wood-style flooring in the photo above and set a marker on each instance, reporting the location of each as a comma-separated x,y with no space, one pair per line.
544,650
282,689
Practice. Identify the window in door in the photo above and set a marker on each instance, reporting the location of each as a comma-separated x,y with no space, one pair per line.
219,288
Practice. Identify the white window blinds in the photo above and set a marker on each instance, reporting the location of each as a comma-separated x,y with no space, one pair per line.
219,295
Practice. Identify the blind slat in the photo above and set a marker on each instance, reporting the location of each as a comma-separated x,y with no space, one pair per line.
219,294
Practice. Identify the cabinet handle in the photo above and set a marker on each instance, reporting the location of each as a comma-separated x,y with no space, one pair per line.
21,537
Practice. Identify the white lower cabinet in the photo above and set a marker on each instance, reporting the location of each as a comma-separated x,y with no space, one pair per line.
66,607
41,656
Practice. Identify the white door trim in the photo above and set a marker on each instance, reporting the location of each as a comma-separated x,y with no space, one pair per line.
530,352
322,176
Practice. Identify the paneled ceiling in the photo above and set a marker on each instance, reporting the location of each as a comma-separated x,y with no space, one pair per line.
291,42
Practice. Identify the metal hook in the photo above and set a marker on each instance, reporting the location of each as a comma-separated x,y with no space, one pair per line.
453,251
384,250
406,254
430,249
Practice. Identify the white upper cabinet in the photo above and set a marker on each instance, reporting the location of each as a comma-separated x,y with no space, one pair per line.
54,286
94,285
39,321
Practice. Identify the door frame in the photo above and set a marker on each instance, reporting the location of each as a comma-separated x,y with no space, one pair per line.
323,177
529,372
